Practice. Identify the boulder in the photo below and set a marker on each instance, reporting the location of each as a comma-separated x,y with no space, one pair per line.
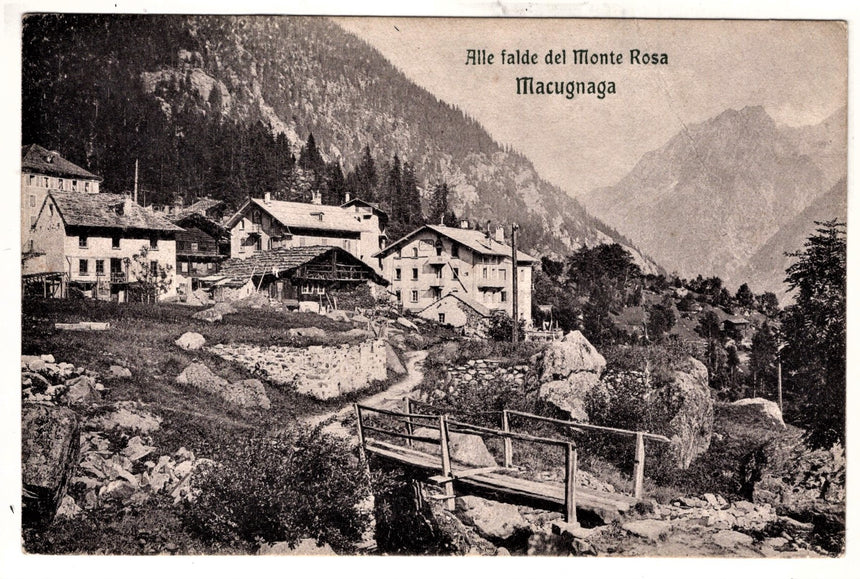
392,360
50,443
493,520
129,416
36,364
190,341
224,308
651,529
135,449
210,315
574,353
691,426
303,547
200,376
728,539
569,395
81,391
119,372
249,393
756,412
464,448
337,315
307,332
407,324
68,509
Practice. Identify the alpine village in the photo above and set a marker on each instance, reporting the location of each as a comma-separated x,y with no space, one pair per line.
278,299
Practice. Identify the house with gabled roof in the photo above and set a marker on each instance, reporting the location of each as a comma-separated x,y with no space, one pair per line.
91,241
434,261
43,171
267,224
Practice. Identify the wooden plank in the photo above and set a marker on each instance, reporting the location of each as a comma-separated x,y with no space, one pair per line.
450,504
649,435
570,484
639,466
361,442
466,428
401,435
407,406
509,452
394,413
474,471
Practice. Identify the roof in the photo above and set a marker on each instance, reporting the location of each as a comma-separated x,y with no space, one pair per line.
305,215
475,240
38,159
201,206
106,210
383,216
284,259
481,309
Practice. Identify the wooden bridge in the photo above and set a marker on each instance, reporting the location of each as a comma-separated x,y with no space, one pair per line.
501,482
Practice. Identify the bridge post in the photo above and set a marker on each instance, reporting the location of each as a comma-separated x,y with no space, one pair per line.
509,458
450,503
407,407
570,464
639,466
360,432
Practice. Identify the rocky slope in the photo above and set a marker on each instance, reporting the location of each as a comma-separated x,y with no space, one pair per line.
712,196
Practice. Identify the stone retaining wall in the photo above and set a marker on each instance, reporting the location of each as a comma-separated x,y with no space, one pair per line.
323,372
483,374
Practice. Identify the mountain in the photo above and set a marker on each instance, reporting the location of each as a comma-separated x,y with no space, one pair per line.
712,196
218,106
767,266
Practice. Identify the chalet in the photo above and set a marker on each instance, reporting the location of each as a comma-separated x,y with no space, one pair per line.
319,273
89,242
202,245
265,224
434,261
43,171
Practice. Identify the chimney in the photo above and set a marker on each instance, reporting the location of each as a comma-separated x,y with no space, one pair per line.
127,204
464,224
500,234
487,230
316,197
267,198
347,196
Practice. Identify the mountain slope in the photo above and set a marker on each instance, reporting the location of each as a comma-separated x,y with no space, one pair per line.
715,193
767,266
114,95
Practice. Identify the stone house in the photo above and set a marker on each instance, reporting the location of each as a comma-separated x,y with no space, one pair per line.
434,261
265,224
91,241
458,311
43,171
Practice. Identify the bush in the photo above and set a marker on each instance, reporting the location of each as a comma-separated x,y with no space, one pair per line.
502,325
280,488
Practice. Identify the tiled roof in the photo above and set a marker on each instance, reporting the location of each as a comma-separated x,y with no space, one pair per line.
306,215
475,240
38,159
478,307
107,210
200,206
284,259
374,208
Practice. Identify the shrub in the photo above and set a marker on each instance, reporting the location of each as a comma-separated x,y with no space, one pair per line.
502,325
280,488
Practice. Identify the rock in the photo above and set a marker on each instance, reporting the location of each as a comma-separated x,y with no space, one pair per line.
407,324
249,393
127,415
120,490
493,520
694,502
135,449
210,315
48,358
583,548
573,531
775,542
692,425
190,341
502,552
307,332
574,353
119,372
337,315
50,443
36,365
651,529
392,360
68,509
729,539
756,412
81,391
303,547
569,395
224,308
712,500
465,448
200,376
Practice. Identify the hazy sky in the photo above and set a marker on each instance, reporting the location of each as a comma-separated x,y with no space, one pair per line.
796,70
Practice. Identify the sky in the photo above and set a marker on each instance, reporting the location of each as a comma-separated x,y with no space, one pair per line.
796,70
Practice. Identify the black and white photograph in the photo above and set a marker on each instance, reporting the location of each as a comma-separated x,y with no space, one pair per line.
305,285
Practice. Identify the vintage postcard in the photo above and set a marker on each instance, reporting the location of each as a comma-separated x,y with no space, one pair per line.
368,286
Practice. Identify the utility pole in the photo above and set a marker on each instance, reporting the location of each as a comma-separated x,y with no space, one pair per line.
515,275
135,180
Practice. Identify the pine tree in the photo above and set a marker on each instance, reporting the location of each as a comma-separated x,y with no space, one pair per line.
439,203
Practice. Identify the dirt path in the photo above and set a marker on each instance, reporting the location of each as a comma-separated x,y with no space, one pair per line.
390,398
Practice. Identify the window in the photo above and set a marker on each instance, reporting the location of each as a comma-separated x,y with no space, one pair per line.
504,298
414,296
74,185
82,241
32,181
397,274
100,267
486,271
153,268
439,247
414,273
415,251
61,185
86,186
455,250
114,242
438,273
183,267
242,225
437,293
46,182
32,200
194,246
83,266
153,243
398,296
441,318
503,275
